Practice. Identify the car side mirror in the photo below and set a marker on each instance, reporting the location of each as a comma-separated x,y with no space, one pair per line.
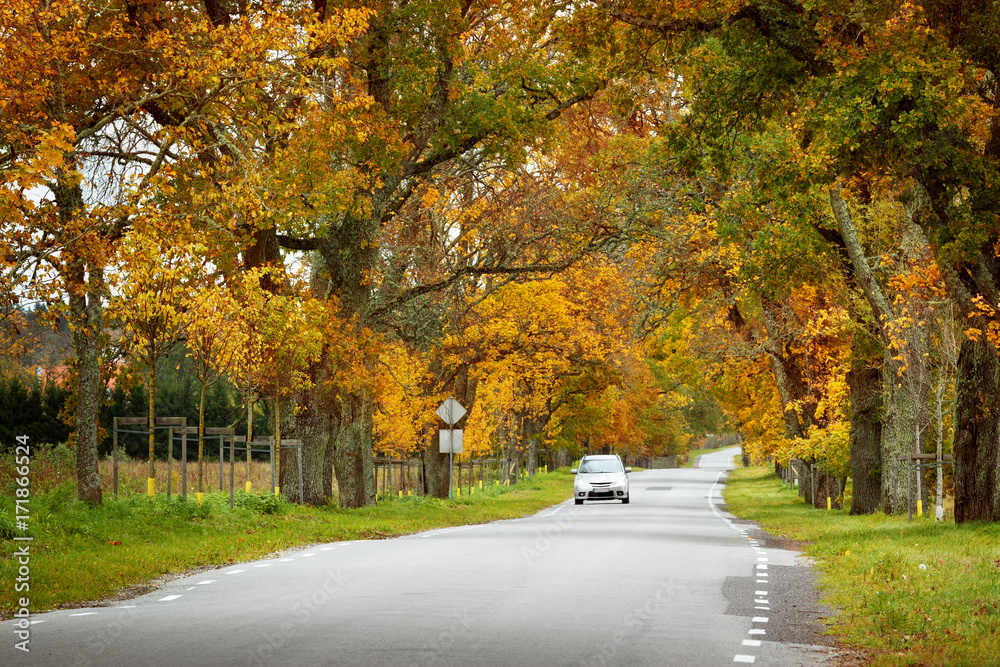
628,470
573,471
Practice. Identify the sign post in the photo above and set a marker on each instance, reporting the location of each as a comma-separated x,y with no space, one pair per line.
451,440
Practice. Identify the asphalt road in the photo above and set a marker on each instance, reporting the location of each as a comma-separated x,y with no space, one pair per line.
670,579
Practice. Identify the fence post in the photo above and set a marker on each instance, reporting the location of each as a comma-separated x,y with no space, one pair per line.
170,459
114,455
248,439
184,463
812,478
301,492
232,470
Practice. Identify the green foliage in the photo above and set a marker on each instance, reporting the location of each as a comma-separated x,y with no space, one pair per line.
261,503
28,409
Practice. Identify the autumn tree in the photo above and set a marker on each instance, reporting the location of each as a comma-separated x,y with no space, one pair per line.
154,282
923,131
100,99
208,328
438,102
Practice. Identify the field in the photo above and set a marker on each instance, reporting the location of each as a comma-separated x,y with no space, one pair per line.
908,593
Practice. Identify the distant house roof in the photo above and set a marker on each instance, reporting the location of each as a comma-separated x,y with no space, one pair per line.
59,375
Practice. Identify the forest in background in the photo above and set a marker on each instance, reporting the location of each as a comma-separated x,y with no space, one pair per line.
596,224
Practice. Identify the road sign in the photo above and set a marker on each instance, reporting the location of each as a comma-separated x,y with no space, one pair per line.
451,441
450,411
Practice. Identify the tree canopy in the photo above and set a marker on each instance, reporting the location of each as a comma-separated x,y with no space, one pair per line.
608,224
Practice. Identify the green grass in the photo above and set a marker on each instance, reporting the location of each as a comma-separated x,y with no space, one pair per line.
85,553
944,613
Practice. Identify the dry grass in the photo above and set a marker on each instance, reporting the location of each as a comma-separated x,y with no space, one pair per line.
132,476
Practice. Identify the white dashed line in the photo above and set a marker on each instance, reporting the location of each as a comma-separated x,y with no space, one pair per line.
761,560
327,548
751,642
759,619
307,555
85,613
263,565
757,631
168,598
760,593
206,582
761,566
235,571
744,658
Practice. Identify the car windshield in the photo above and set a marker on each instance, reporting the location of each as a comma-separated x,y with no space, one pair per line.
601,465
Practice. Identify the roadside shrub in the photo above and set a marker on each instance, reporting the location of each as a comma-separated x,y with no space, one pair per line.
261,503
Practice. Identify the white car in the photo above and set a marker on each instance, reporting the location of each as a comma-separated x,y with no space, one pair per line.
601,477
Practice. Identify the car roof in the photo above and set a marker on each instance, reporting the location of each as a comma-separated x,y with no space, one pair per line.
602,456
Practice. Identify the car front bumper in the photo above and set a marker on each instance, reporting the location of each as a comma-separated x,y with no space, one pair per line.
601,494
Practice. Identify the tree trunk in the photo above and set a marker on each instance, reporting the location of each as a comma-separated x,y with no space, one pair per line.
899,426
898,439
435,470
785,373
529,435
201,436
151,424
790,390
352,459
314,424
87,316
976,456
827,486
806,480
562,458
865,386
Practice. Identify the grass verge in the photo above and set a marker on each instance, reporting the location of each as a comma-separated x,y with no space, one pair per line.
82,553
909,593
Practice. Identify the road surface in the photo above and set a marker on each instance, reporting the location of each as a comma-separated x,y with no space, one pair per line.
669,579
